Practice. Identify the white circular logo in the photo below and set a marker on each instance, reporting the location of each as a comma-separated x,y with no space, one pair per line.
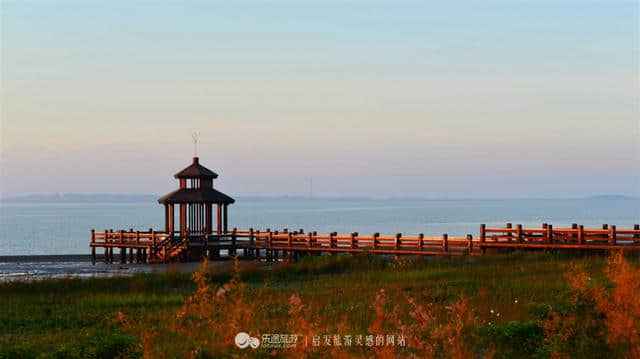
243,340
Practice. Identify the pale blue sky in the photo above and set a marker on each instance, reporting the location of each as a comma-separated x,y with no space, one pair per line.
380,98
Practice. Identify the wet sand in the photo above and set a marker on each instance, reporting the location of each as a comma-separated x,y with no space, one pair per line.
39,267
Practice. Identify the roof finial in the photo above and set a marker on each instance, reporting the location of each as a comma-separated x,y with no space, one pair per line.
195,143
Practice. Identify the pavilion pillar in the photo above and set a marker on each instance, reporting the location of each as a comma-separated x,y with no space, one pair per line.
166,218
183,219
171,218
208,218
226,219
219,218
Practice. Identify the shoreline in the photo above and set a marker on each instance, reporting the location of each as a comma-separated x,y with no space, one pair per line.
37,258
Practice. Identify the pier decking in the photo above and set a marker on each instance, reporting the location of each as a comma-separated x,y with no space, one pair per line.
156,247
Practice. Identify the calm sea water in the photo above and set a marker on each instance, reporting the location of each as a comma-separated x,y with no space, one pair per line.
52,228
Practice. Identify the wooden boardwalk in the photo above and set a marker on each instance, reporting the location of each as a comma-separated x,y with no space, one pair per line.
157,247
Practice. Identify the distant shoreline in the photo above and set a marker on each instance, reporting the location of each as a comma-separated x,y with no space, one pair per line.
46,258
148,198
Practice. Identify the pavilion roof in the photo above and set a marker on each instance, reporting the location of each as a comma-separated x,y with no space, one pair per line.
196,195
196,170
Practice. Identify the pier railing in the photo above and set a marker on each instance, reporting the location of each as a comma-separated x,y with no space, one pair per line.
154,246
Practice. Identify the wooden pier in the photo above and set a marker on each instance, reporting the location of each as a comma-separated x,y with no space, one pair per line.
158,247
195,237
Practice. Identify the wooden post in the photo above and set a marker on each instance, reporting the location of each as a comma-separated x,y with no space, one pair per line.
153,237
421,241
581,234
483,237
469,244
354,240
251,243
269,245
549,233
397,243
509,235
445,242
289,245
375,240
612,235
233,242
93,249
519,233
225,225
218,218
332,242
636,236
574,226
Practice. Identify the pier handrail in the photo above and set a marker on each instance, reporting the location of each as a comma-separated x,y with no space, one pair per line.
549,237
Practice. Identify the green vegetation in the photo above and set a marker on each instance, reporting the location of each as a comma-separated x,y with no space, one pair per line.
503,305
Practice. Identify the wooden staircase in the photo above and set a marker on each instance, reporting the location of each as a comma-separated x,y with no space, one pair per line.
166,251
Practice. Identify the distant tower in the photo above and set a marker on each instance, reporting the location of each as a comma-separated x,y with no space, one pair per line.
196,198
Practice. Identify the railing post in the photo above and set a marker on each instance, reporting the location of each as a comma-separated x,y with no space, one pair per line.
581,234
519,233
354,240
445,242
93,249
233,242
153,238
549,233
574,226
332,242
375,240
469,244
509,235
421,241
137,237
123,250
612,235
396,244
483,237
269,244
251,243
636,236
106,248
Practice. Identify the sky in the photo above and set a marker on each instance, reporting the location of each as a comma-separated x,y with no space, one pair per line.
456,99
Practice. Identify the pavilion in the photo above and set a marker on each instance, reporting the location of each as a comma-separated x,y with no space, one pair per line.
195,199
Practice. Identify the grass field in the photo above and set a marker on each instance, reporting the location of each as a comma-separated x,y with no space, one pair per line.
499,305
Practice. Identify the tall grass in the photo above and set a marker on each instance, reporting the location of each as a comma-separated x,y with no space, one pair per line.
504,306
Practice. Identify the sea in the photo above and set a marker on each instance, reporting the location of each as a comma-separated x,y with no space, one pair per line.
51,239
